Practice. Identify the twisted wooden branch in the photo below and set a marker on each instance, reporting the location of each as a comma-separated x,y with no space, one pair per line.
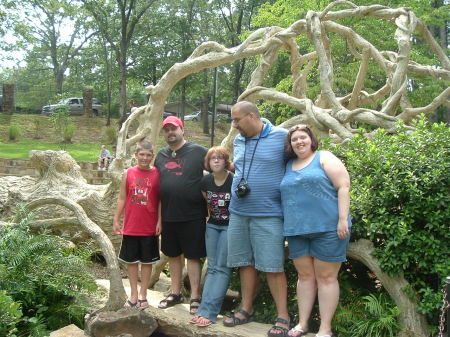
117,295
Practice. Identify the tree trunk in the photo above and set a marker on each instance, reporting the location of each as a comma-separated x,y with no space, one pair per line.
87,102
59,79
9,98
122,84
183,98
413,324
205,103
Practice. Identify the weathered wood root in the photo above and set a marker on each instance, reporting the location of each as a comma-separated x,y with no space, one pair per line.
117,295
413,323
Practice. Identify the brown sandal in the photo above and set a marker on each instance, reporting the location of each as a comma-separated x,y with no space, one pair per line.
248,317
282,332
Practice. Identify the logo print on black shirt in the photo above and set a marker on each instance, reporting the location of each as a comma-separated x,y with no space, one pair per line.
174,166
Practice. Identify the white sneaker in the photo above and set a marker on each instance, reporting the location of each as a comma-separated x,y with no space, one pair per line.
99,168
104,169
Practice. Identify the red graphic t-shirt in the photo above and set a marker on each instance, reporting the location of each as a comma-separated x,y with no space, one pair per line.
141,206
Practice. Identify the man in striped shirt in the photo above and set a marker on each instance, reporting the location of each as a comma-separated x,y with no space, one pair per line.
255,234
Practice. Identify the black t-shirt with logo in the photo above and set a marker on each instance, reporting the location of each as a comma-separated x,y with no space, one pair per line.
180,176
218,199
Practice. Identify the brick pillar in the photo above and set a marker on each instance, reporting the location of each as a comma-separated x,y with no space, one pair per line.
87,102
9,98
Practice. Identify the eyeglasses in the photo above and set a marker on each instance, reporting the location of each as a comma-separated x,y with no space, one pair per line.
237,120
216,158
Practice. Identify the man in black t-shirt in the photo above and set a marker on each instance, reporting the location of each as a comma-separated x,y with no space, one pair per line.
180,165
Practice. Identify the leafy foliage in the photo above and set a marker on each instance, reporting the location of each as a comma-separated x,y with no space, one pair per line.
13,132
399,201
111,134
10,314
345,66
46,277
373,315
63,123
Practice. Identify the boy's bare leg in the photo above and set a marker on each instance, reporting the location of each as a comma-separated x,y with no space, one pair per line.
133,278
146,273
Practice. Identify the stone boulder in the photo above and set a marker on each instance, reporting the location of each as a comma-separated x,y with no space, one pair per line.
124,322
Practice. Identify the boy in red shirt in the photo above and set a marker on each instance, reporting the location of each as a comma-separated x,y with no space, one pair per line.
139,198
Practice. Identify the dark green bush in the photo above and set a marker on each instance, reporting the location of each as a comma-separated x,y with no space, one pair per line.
13,132
10,315
400,201
48,279
400,197
373,315
111,134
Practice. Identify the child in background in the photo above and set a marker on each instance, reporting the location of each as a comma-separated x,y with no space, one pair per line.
139,198
103,158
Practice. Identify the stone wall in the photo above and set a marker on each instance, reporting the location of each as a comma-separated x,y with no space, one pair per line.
22,167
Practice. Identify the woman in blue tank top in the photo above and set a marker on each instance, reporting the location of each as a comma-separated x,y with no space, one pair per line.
315,200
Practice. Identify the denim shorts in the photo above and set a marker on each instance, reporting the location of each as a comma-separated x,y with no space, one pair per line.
256,241
325,246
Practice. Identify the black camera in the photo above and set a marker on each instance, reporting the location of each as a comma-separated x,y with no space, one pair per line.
242,188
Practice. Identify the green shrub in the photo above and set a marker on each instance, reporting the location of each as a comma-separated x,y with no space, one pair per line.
47,278
400,201
111,134
10,314
374,315
13,132
68,132
37,123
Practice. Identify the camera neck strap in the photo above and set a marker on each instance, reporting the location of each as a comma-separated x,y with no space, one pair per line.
253,155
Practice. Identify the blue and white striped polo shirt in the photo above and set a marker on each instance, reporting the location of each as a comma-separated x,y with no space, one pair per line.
266,172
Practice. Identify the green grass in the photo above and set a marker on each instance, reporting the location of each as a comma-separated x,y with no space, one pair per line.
37,133
21,149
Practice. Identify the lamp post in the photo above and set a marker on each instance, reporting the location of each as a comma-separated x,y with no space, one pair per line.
214,107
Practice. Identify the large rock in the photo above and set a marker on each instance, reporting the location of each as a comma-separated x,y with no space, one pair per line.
174,321
126,321
60,176
68,331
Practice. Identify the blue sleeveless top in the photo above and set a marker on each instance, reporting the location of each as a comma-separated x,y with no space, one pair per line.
309,200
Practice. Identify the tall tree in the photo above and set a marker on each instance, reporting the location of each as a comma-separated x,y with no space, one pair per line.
236,16
117,21
54,30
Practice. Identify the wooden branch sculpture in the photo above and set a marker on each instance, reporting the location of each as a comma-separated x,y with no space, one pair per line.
329,114
117,294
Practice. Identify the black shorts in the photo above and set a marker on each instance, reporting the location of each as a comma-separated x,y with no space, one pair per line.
184,237
143,249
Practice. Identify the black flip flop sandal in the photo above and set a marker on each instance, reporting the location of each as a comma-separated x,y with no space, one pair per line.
170,301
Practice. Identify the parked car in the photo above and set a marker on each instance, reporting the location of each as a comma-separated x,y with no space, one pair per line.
196,116
75,106
167,114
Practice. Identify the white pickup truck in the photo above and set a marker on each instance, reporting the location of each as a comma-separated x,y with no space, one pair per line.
75,106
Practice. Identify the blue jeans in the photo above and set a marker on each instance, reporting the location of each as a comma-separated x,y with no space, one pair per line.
218,275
